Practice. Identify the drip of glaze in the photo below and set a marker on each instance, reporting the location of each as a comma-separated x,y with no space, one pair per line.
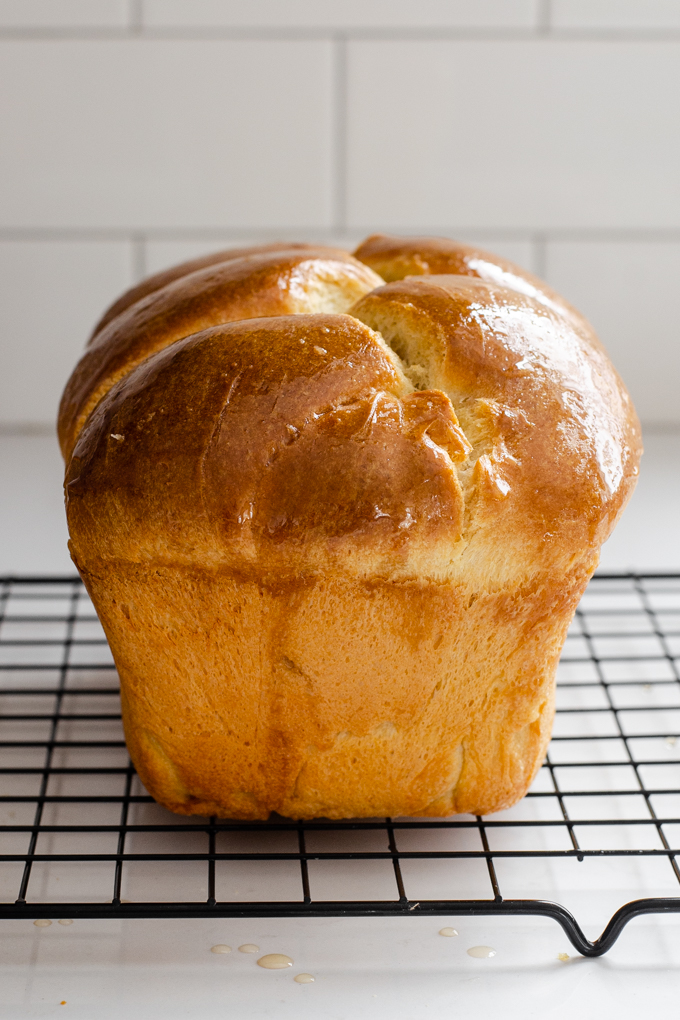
304,979
221,948
275,961
42,922
449,932
563,956
249,947
481,952
65,920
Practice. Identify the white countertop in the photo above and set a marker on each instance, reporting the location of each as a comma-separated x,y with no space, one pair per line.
387,969
397,968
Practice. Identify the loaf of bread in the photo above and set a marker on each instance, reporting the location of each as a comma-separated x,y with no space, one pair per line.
336,528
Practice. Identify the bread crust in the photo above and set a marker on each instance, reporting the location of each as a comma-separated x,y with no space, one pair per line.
394,258
153,283
336,555
330,696
260,283
556,441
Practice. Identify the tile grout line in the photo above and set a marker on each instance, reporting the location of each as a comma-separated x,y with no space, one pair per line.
540,255
136,16
543,32
593,235
139,260
544,18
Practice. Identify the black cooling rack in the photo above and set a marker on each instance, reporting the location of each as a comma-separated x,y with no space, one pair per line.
80,837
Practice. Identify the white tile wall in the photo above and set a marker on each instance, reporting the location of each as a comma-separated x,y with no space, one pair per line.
616,14
64,13
138,133
416,14
53,293
542,134
626,289
148,133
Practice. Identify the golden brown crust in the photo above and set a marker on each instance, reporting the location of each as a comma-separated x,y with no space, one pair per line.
394,258
336,555
556,441
331,697
153,283
252,443
266,283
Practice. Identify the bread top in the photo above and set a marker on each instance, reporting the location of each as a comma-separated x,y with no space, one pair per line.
293,438
446,429
394,258
555,439
158,280
265,282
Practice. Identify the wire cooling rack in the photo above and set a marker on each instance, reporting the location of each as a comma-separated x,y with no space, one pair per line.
600,828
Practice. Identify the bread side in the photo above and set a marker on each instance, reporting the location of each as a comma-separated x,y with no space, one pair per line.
330,696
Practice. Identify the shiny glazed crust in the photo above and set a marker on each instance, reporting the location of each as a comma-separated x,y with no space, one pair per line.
261,282
153,283
394,258
336,555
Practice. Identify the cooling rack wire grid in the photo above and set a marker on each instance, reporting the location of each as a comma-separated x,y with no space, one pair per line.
596,837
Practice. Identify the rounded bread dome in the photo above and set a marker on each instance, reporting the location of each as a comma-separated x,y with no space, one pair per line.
251,445
555,441
264,282
441,421
394,258
158,280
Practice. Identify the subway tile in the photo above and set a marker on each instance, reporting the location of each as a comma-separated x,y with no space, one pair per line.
165,132
53,293
64,13
342,14
513,134
628,290
615,14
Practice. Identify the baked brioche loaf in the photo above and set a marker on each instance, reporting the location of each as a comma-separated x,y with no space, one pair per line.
335,529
